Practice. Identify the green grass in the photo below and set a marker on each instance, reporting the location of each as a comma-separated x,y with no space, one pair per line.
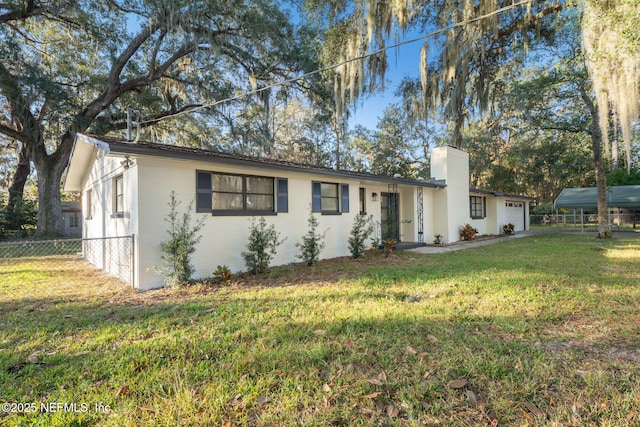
544,330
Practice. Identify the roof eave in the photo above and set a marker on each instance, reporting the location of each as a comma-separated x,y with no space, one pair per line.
141,150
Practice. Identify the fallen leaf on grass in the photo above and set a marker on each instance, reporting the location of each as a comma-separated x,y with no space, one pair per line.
457,384
370,396
320,332
326,388
262,400
471,398
379,380
391,411
122,391
534,409
375,381
33,358
410,350
631,416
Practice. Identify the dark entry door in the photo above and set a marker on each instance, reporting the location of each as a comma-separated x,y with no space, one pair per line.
390,215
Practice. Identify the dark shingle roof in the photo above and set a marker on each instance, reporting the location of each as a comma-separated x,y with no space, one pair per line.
121,146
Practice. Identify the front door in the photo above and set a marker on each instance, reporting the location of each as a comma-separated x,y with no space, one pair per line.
390,215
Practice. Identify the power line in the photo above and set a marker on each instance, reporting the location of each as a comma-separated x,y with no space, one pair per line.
339,64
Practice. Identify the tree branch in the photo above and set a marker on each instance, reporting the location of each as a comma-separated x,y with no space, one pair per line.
12,133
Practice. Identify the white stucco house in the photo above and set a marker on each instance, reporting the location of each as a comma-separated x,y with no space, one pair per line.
125,189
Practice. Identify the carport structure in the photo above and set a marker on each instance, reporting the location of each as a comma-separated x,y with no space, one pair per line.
623,200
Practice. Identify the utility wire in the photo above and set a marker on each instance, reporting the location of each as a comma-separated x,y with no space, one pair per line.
339,64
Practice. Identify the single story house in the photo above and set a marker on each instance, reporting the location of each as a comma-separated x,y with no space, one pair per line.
126,187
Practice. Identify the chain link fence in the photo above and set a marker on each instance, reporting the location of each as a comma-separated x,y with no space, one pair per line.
111,254
584,221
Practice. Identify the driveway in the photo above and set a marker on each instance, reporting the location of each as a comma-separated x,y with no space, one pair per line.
457,246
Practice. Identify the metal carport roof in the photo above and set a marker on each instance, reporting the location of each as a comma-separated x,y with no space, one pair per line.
623,196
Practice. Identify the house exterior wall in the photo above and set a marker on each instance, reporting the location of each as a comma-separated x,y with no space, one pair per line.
224,238
102,227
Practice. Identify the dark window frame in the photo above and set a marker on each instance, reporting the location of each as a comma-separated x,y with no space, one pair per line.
477,207
74,220
341,200
244,194
362,200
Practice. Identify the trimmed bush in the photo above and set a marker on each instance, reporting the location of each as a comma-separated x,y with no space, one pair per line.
177,250
312,242
262,246
361,230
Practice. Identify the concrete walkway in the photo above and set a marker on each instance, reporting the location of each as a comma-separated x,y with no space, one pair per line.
433,249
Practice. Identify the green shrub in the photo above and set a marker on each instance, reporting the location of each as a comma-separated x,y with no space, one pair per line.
177,250
543,209
20,219
312,242
361,230
263,242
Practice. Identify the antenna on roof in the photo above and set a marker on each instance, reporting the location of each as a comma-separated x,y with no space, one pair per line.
128,113
130,123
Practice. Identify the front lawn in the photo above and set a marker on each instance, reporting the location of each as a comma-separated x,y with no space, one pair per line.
542,330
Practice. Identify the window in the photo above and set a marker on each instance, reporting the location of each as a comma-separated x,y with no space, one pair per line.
74,220
88,205
283,195
118,194
363,205
329,198
229,194
477,207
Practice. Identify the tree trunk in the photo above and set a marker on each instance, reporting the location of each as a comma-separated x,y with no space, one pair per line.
50,221
604,231
20,176
50,168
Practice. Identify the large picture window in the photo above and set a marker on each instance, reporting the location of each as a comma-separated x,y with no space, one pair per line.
477,207
229,193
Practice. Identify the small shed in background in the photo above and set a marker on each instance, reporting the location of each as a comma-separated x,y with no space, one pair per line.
72,214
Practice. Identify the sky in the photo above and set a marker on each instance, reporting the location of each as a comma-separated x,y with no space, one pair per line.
403,61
